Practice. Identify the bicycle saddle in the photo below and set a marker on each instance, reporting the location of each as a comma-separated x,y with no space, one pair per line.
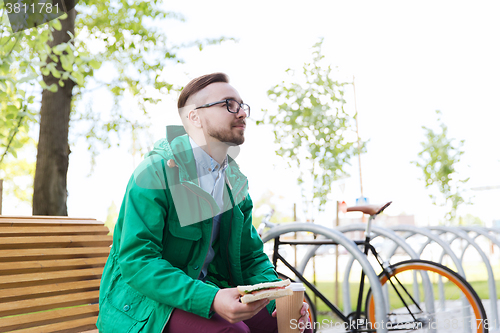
369,209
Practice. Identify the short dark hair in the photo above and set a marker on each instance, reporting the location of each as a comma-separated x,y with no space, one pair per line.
198,84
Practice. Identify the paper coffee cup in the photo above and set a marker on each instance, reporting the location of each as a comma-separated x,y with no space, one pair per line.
288,309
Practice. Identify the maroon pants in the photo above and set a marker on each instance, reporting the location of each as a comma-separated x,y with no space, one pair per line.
182,322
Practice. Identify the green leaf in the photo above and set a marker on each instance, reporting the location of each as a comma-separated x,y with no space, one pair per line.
77,77
59,48
12,111
56,24
28,78
52,88
117,90
55,73
19,47
85,58
66,64
95,64
42,84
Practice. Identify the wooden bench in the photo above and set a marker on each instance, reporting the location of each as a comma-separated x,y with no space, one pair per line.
50,271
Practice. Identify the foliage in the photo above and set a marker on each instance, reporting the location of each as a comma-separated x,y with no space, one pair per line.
17,77
438,160
310,125
124,36
20,72
262,207
470,219
18,174
135,49
111,218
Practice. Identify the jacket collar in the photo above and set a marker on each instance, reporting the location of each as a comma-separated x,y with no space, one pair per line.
177,145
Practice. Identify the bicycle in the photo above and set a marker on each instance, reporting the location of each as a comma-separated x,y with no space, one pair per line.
410,290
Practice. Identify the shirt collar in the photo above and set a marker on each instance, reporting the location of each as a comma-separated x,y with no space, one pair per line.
201,157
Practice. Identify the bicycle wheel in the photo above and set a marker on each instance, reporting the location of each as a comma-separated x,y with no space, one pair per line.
312,308
449,304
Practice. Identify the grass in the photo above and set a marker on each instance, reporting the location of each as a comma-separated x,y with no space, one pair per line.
328,289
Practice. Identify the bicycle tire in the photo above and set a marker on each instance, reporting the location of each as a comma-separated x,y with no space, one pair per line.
312,308
461,310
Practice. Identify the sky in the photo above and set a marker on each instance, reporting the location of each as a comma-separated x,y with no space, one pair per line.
409,58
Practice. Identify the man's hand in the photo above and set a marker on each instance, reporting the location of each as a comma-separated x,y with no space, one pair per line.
304,317
227,305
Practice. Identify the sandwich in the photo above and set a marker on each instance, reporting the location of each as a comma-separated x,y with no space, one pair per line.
269,290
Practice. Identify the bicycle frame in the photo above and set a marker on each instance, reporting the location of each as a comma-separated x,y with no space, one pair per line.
367,248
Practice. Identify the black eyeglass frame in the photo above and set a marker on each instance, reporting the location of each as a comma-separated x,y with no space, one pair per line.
240,105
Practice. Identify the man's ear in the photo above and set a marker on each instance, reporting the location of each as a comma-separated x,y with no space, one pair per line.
194,118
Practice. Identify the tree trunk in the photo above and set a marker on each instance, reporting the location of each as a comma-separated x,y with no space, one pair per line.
50,194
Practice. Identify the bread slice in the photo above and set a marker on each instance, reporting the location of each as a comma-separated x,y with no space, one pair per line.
260,286
269,290
267,293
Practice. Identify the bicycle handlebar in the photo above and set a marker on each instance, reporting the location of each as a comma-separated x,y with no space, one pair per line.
266,222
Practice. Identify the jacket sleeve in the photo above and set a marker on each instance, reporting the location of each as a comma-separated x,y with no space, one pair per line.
144,212
255,264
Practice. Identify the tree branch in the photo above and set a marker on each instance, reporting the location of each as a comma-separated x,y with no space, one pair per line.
13,47
11,139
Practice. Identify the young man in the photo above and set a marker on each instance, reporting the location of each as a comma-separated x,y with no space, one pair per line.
184,237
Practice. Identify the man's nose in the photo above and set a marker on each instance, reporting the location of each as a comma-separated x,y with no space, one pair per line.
241,113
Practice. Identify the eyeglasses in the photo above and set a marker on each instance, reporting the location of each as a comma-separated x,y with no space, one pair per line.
232,106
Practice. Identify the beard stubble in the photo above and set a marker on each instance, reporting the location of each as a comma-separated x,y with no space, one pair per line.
226,135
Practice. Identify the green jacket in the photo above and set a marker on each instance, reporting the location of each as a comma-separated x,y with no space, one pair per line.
161,239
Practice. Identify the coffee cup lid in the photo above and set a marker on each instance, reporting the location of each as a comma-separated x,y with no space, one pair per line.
297,286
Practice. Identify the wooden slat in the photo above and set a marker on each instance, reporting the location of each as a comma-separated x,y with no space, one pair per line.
49,224
48,317
43,217
26,267
47,303
53,230
54,241
17,294
20,280
37,220
74,326
52,254
4,223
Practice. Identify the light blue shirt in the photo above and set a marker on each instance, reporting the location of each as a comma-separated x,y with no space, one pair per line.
211,178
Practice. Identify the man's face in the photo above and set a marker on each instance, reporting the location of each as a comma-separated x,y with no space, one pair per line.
217,123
